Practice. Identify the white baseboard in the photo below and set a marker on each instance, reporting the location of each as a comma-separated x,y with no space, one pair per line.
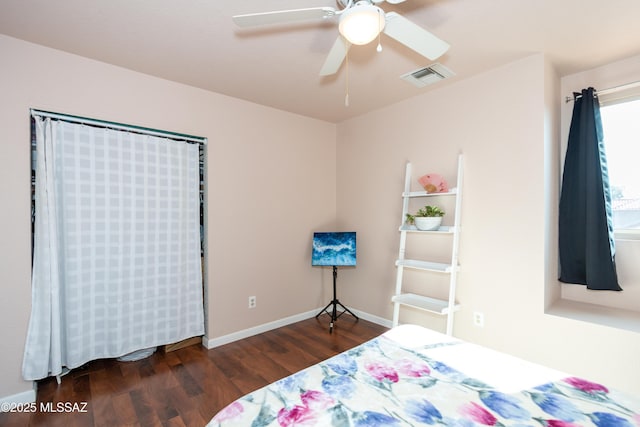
246,333
27,396
373,319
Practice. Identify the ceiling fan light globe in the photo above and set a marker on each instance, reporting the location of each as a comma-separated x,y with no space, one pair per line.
361,24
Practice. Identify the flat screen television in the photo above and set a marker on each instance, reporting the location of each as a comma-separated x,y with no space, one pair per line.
334,249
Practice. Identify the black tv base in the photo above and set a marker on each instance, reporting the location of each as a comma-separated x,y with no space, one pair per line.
334,305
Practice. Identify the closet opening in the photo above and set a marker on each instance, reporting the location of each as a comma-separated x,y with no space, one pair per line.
143,183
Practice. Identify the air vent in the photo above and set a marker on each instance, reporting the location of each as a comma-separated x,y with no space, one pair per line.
428,75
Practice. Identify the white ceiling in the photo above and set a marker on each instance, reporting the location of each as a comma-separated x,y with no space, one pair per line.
195,42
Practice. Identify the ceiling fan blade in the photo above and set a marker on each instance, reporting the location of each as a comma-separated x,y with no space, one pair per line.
283,16
413,36
336,56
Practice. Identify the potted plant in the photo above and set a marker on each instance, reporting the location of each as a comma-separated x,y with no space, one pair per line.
427,218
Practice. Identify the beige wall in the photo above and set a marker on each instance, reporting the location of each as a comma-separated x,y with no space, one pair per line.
506,122
498,132
271,183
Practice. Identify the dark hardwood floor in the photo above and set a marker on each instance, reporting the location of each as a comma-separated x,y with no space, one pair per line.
186,387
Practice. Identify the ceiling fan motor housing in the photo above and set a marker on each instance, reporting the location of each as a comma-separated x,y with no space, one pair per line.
344,3
361,23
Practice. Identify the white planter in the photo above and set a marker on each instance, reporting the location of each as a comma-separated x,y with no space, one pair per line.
427,223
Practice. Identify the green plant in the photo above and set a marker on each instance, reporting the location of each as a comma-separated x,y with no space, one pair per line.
426,211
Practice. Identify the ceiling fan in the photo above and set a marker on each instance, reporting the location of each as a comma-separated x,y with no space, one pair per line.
360,22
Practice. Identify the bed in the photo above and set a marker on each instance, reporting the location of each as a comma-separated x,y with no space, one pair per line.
412,376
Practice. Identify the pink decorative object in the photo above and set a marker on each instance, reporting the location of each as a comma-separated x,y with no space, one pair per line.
433,183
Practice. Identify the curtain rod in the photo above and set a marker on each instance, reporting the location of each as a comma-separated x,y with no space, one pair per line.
120,126
607,91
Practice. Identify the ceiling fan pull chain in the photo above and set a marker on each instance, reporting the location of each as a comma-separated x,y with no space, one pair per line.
379,47
346,85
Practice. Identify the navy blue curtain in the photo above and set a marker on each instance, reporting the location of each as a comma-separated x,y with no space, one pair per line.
586,244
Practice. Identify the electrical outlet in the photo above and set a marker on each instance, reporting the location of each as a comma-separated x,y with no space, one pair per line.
478,319
252,302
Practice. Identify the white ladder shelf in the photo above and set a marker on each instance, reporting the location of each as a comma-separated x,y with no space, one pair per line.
441,307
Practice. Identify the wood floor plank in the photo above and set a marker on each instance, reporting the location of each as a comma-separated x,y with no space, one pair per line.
179,399
187,381
103,410
145,411
187,387
100,384
125,410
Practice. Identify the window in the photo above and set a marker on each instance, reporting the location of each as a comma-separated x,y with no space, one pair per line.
621,126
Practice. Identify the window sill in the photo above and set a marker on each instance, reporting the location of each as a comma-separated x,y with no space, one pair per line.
626,234
598,314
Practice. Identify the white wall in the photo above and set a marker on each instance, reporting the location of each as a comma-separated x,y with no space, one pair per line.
506,123
265,167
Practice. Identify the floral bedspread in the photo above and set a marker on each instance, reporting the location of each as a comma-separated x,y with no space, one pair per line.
381,383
